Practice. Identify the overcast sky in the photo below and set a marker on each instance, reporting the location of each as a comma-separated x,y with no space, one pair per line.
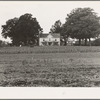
46,12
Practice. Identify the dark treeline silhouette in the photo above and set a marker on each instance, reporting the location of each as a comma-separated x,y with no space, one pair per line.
24,30
82,24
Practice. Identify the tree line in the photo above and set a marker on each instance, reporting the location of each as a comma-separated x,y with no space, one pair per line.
81,24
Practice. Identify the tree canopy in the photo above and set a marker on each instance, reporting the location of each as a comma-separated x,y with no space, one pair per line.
57,27
23,30
82,23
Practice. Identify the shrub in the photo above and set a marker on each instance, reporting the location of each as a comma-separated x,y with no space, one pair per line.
96,42
55,43
44,43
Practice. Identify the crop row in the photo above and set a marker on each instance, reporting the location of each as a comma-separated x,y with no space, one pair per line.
46,49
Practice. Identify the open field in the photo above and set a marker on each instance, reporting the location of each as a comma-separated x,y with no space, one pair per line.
70,66
51,49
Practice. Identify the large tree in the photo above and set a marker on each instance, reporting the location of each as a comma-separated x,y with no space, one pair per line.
23,30
57,27
82,23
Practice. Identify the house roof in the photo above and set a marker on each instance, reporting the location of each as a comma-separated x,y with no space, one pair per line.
55,35
43,35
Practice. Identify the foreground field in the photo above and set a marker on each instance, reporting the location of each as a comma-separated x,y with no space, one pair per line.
50,66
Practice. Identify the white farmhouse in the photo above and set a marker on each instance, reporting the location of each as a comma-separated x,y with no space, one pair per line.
49,39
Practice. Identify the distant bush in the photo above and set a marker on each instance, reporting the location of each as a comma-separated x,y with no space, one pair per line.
44,43
96,42
55,43
82,43
3,43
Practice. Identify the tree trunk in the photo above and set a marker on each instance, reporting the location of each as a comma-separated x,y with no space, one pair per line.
65,41
79,42
90,41
85,41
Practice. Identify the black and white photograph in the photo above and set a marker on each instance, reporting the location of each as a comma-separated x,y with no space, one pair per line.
49,44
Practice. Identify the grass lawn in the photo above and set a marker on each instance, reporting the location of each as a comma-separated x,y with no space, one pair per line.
60,66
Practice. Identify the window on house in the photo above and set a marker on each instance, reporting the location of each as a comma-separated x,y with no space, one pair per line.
43,39
55,39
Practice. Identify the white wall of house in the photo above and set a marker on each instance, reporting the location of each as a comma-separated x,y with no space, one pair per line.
49,38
